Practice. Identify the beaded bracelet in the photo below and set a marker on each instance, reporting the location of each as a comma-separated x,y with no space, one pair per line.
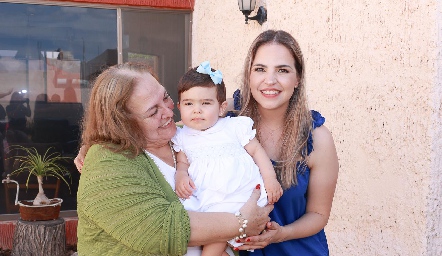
242,225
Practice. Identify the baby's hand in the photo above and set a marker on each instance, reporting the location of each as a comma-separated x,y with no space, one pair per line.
184,185
273,189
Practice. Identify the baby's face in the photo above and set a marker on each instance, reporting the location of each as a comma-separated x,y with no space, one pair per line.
199,108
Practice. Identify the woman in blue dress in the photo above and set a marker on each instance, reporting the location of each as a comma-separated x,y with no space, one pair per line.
273,94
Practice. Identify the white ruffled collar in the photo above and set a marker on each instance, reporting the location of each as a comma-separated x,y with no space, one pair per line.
216,128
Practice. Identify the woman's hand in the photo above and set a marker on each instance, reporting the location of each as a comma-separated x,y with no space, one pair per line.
212,227
257,216
80,158
272,234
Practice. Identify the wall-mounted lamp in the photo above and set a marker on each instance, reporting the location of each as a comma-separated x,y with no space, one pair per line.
247,6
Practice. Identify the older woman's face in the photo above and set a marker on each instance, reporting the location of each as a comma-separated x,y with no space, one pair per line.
153,106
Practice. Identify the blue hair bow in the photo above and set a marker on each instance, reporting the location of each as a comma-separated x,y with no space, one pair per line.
204,68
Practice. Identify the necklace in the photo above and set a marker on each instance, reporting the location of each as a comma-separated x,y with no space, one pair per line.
270,140
171,151
267,133
161,164
173,154
271,131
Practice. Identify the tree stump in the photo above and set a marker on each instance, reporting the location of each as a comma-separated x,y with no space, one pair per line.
39,238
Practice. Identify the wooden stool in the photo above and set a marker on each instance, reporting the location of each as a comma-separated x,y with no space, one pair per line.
39,238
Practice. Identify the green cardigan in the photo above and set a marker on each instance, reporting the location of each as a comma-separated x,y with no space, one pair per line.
126,207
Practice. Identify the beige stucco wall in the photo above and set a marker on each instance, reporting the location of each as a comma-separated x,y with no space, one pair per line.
374,70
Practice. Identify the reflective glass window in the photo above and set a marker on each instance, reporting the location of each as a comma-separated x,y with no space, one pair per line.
161,39
48,55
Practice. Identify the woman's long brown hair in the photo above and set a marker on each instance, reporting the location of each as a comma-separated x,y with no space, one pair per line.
298,120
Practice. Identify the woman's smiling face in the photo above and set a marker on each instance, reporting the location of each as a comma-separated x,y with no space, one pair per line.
273,77
154,109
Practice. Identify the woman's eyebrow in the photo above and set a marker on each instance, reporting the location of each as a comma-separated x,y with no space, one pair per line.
278,66
284,66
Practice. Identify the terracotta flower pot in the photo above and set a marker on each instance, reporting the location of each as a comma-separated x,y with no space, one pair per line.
29,212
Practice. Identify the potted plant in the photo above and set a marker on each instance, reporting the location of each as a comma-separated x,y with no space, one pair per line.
47,165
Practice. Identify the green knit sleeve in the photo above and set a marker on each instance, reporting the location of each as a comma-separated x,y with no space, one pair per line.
132,204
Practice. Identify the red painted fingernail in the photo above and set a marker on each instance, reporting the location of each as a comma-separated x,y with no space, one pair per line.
258,186
248,240
238,241
236,249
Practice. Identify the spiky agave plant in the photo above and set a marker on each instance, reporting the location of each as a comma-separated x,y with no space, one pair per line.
47,165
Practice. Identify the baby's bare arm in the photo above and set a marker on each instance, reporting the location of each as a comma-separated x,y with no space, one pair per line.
273,188
184,185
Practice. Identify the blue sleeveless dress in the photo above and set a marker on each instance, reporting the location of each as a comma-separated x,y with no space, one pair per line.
290,207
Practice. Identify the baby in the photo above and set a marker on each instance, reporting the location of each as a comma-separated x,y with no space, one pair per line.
219,160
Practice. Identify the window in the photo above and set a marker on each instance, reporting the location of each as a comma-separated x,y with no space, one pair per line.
48,56
161,39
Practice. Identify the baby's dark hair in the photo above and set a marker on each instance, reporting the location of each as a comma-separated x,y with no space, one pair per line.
192,78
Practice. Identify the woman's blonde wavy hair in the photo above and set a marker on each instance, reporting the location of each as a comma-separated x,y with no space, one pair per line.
298,122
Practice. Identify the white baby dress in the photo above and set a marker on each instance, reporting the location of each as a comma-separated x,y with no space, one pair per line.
222,170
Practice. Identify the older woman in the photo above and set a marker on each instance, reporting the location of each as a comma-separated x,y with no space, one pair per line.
125,203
